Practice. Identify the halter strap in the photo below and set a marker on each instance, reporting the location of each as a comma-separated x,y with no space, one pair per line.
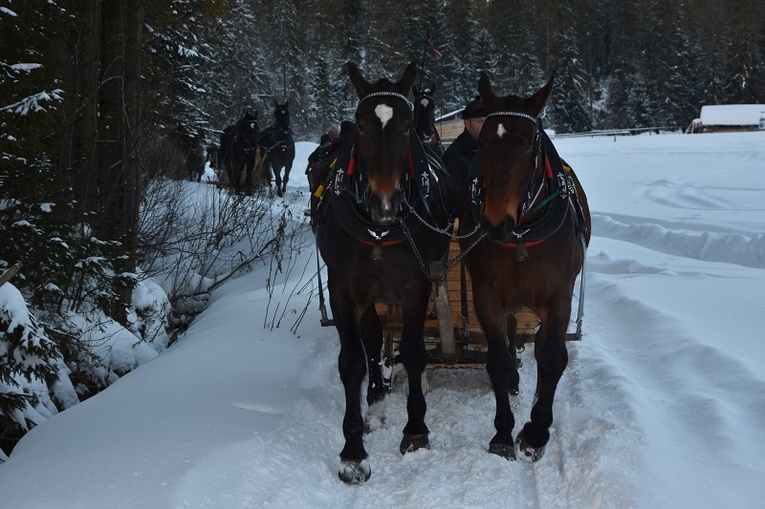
387,94
512,114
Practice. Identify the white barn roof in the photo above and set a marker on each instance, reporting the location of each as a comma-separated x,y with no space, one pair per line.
733,115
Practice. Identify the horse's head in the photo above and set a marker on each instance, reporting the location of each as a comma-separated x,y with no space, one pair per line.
282,115
383,125
511,145
425,112
248,129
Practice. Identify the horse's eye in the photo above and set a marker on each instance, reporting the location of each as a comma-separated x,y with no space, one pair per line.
407,128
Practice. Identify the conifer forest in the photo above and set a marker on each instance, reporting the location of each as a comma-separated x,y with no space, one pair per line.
93,91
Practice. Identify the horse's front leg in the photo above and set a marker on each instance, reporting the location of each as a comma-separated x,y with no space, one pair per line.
503,373
372,336
286,177
354,467
551,357
277,178
412,350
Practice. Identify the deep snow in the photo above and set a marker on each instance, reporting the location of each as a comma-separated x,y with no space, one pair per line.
662,405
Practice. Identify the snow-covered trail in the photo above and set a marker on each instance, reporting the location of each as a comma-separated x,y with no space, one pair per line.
661,405
646,399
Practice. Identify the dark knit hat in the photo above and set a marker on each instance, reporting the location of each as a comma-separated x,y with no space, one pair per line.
474,109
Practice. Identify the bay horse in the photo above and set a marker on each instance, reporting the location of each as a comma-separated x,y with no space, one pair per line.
278,148
425,118
238,154
535,225
369,212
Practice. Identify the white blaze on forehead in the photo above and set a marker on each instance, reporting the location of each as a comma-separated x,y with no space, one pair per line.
384,113
424,102
501,130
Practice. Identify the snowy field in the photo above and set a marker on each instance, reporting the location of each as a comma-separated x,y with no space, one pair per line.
662,405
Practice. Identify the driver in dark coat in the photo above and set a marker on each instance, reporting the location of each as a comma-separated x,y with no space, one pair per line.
460,155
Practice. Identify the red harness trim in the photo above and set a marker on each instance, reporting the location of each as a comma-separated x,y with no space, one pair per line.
352,164
527,244
383,244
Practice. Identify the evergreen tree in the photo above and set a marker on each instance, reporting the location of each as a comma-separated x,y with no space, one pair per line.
460,79
670,67
569,106
744,71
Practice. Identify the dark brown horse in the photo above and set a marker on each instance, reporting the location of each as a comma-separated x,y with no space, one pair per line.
278,148
536,225
369,213
238,155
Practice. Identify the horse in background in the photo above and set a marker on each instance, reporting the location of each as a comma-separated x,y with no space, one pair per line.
535,224
278,148
425,118
238,154
192,151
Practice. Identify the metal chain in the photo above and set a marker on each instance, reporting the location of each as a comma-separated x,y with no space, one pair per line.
451,262
446,231
414,246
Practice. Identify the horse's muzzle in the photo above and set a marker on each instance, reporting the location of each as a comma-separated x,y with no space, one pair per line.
503,232
384,209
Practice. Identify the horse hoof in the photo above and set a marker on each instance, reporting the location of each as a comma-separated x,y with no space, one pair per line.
506,451
526,452
354,472
411,443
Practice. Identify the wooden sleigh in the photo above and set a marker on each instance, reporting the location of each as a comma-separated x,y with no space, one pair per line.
467,343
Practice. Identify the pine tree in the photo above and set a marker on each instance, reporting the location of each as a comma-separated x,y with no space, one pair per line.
744,71
670,67
569,107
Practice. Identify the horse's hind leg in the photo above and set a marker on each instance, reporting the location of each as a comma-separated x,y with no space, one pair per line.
552,358
372,336
248,185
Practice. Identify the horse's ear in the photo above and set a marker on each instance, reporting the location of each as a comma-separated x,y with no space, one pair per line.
357,79
406,82
537,102
433,88
484,88
415,91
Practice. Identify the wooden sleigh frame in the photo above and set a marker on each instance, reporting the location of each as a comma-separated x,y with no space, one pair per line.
467,345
